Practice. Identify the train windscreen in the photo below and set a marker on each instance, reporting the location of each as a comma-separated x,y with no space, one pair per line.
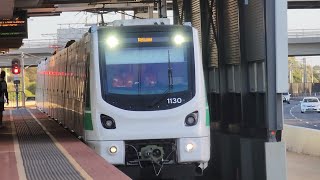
149,64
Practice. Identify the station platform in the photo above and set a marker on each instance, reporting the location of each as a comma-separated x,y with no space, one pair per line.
301,166
34,147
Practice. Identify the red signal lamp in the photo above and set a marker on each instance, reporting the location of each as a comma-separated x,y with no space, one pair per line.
15,66
16,70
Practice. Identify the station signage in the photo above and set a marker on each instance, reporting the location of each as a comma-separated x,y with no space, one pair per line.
15,27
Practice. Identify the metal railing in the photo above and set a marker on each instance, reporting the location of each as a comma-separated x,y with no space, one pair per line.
303,33
39,43
13,101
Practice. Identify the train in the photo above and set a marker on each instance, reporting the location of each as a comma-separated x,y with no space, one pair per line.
134,91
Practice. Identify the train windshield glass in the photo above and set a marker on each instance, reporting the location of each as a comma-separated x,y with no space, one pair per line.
148,71
145,66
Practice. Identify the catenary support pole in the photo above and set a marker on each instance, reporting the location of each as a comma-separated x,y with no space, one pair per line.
22,80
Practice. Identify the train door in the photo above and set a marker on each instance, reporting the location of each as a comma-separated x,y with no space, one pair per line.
82,85
76,102
54,88
50,88
65,88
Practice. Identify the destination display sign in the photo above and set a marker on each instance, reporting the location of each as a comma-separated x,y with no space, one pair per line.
14,28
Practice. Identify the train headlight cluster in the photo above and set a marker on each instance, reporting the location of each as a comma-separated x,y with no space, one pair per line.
112,41
189,147
107,122
179,39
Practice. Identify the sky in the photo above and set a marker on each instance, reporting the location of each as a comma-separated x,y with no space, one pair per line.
44,27
305,19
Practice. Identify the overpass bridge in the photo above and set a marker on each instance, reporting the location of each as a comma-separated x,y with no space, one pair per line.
303,42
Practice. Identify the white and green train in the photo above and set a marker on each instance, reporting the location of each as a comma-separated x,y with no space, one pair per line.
135,93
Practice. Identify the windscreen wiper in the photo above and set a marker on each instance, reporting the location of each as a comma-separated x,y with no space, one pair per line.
170,85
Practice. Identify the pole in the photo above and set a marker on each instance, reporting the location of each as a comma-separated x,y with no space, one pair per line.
290,75
162,8
123,15
159,9
22,79
150,12
17,95
176,17
311,73
304,75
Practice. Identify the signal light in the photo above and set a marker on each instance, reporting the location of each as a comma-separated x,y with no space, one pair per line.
15,66
16,70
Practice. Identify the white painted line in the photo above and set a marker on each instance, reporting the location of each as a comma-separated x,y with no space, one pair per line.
307,122
77,166
300,120
21,172
292,113
315,125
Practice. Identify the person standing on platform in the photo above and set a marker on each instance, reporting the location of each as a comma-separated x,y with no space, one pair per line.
3,92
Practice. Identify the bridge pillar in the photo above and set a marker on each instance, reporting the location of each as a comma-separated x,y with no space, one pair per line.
243,43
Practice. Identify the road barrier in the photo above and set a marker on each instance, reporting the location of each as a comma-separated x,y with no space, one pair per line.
302,140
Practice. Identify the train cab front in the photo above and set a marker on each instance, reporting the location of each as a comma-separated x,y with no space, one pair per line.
151,117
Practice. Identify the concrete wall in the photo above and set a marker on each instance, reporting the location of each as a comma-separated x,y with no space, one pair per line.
302,140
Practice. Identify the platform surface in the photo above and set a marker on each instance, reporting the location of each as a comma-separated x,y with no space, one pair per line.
34,147
303,167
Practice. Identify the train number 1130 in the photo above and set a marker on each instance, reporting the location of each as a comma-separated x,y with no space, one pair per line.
174,100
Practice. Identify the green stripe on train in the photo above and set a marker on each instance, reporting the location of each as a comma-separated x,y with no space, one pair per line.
207,117
88,120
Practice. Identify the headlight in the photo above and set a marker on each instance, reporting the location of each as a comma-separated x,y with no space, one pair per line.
191,119
189,147
107,122
179,39
112,41
113,150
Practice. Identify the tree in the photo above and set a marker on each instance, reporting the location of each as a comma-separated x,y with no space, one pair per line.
31,73
316,73
32,88
296,69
